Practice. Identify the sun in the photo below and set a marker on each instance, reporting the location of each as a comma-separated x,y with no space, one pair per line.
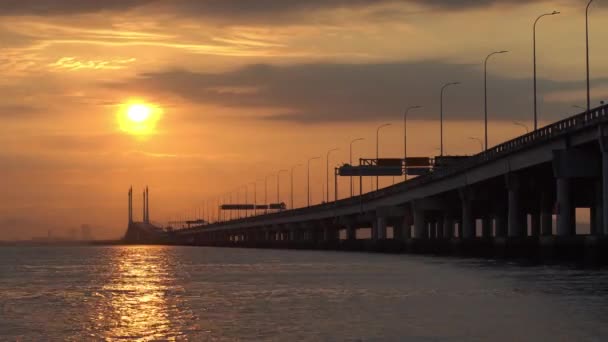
139,118
138,112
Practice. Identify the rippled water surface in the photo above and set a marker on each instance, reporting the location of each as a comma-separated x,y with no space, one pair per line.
207,294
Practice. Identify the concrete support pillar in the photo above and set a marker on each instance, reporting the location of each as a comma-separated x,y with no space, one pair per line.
432,226
535,224
448,227
380,228
596,211
565,208
398,229
516,220
330,233
407,230
351,232
486,227
593,228
439,228
420,230
313,235
546,214
604,215
374,230
468,222
500,222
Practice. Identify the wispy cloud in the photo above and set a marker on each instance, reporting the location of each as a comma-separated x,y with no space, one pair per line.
72,63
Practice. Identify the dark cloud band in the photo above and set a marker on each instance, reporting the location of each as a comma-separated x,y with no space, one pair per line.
357,92
226,8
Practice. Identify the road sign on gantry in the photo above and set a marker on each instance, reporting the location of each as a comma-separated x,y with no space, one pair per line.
366,171
418,162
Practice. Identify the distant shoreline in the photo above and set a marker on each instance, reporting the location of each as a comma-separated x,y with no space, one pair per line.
60,243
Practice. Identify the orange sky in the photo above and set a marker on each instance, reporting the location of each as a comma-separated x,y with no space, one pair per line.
247,88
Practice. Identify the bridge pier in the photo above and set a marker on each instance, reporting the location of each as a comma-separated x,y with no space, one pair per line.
565,209
439,227
379,228
486,227
351,232
330,233
500,222
398,229
535,224
468,221
420,228
448,227
292,233
546,214
517,222
604,180
596,211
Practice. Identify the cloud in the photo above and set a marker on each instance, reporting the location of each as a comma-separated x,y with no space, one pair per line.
327,92
73,64
18,111
226,8
65,7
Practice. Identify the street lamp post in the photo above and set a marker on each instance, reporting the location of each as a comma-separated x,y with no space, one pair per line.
441,114
278,185
255,190
291,192
245,186
351,162
485,93
327,174
405,134
266,192
308,179
238,200
378,148
219,211
587,55
534,57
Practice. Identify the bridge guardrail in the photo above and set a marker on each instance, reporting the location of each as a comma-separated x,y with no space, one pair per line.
552,131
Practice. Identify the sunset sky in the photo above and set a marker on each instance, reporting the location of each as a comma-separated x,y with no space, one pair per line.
241,89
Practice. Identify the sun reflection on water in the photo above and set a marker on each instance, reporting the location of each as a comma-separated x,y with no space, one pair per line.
140,297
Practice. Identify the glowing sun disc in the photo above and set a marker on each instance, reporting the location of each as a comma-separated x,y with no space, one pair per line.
139,118
138,112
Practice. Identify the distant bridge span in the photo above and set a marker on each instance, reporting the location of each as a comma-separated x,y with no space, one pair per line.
505,194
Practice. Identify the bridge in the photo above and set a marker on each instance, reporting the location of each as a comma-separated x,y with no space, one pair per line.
516,197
